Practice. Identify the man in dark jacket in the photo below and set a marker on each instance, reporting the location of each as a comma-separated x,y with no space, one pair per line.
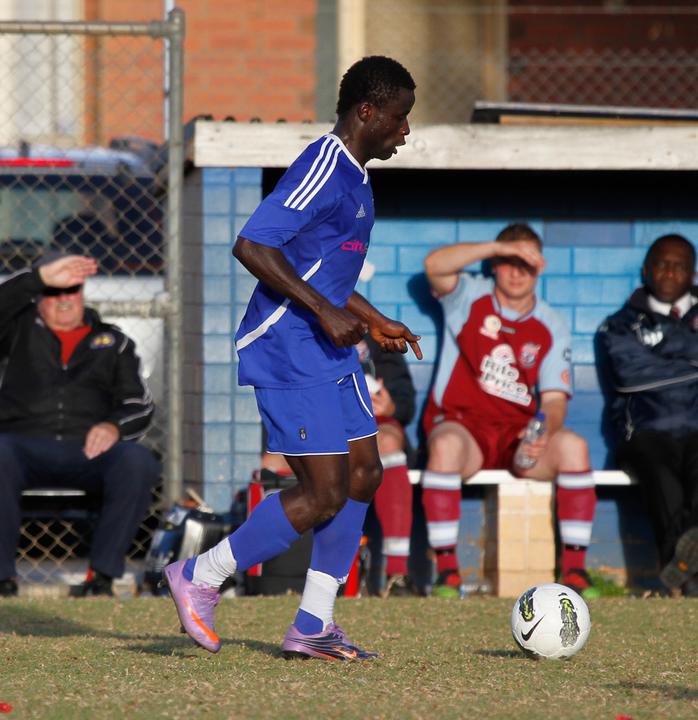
71,400
650,347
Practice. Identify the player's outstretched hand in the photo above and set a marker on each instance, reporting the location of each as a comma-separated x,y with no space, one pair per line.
67,271
394,336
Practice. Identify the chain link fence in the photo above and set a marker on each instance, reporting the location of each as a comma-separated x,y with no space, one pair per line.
84,168
613,53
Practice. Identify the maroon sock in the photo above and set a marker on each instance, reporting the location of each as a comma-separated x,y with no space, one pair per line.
393,503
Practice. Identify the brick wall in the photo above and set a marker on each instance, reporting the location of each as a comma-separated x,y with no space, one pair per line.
250,58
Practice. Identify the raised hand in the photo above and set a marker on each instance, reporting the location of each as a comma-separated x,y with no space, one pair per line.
67,271
525,250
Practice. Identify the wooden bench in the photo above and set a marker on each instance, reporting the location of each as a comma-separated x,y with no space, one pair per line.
519,530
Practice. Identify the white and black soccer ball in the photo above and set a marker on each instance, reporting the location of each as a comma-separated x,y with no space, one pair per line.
550,621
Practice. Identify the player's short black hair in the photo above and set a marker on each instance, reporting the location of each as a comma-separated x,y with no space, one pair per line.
519,231
375,79
671,237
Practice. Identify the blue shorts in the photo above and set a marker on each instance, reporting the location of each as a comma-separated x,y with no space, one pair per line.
318,420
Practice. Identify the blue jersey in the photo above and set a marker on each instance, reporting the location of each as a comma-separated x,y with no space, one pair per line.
320,216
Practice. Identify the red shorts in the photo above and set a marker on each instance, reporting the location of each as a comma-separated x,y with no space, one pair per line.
497,441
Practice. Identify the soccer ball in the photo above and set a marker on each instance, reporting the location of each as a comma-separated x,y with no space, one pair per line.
550,621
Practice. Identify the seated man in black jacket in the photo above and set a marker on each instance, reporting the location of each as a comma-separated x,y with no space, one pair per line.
651,349
71,401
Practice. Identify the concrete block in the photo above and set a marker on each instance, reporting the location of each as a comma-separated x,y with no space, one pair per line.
383,257
576,233
217,260
587,318
247,437
414,232
411,259
216,319
585,379
389,289
645,232
247,176
218,379
216,438
587,290
217,408
217,199
217,349
246,410
217,230
608,261
216,176
558,260
219,495
217,467
583,349
217,289
247,198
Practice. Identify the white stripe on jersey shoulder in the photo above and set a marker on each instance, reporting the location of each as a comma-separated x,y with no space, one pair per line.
352,159
320,171
251,336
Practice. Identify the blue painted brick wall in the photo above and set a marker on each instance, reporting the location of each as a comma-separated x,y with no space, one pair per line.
592,266
231,431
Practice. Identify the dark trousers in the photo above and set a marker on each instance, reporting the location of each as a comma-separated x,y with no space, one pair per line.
666,468
122,477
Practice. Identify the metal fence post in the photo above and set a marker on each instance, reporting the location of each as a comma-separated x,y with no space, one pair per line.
173,473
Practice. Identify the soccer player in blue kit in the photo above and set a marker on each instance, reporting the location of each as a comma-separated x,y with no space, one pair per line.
306,244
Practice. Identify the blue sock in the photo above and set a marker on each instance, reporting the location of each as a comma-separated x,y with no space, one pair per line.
335,543
264,535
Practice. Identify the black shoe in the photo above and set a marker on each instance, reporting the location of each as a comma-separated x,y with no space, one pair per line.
8,588
400,586
684,564
690,588
98,584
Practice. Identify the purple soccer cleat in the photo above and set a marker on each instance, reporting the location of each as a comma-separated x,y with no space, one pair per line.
195,605
331,644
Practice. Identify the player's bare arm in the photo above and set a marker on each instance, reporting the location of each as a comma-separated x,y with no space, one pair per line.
271,267
444,264
391,335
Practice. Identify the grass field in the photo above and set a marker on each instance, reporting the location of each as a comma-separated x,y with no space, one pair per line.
104,658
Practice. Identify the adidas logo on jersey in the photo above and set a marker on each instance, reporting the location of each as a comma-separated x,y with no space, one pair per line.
362,212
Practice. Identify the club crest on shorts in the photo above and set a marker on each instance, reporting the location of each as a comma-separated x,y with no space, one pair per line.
302,433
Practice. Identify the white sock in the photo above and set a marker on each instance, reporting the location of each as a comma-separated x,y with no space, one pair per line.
215,565
319,595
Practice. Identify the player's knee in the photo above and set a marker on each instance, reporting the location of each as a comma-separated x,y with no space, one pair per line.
573,448
326,504
445,453
366,479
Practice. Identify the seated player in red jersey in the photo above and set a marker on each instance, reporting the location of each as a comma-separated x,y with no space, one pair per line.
505,357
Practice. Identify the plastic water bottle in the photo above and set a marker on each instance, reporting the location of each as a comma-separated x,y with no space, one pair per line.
534,430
